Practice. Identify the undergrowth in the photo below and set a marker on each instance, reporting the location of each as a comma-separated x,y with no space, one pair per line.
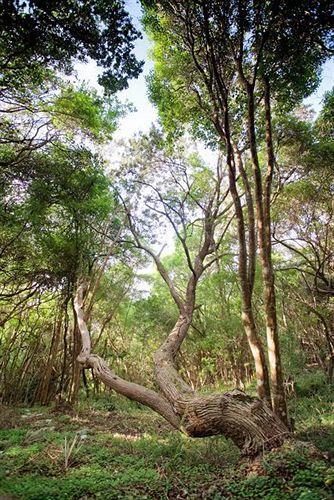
121,450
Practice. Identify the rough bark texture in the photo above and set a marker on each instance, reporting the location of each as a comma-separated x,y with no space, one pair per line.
247,421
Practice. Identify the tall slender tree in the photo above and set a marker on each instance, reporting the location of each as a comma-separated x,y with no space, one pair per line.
239,55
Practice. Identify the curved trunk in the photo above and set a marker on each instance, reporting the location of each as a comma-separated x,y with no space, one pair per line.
170,382
247,421
131,390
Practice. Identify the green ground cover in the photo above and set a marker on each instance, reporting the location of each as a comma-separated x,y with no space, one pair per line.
120,450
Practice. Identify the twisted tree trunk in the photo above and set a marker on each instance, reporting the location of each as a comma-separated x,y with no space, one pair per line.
247,421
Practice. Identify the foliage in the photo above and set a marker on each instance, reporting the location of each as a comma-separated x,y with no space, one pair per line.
84,110
36,36
264,40
56,200
65,190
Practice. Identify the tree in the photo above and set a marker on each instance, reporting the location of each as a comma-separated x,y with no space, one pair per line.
55,201
191,199
49,234
54,197
239,55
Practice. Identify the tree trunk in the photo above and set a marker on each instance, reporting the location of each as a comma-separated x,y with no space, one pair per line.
264,237
43,395
61,387
246,268
261,369
247,421
74,385
274,355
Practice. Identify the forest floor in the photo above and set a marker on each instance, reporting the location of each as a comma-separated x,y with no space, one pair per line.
115,449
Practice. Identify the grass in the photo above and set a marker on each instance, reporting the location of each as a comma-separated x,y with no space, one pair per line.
124,451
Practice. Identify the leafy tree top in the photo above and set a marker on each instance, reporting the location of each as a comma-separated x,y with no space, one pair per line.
39,34
208,51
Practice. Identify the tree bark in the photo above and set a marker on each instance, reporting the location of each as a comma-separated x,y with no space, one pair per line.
264,237
248,421
246,269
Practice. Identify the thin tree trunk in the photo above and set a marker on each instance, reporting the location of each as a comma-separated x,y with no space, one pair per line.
74,385
246,272
251,221
76,367
276,375
44,389
61,388
246,276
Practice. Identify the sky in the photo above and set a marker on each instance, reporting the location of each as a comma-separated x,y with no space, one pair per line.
146,114
136,93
